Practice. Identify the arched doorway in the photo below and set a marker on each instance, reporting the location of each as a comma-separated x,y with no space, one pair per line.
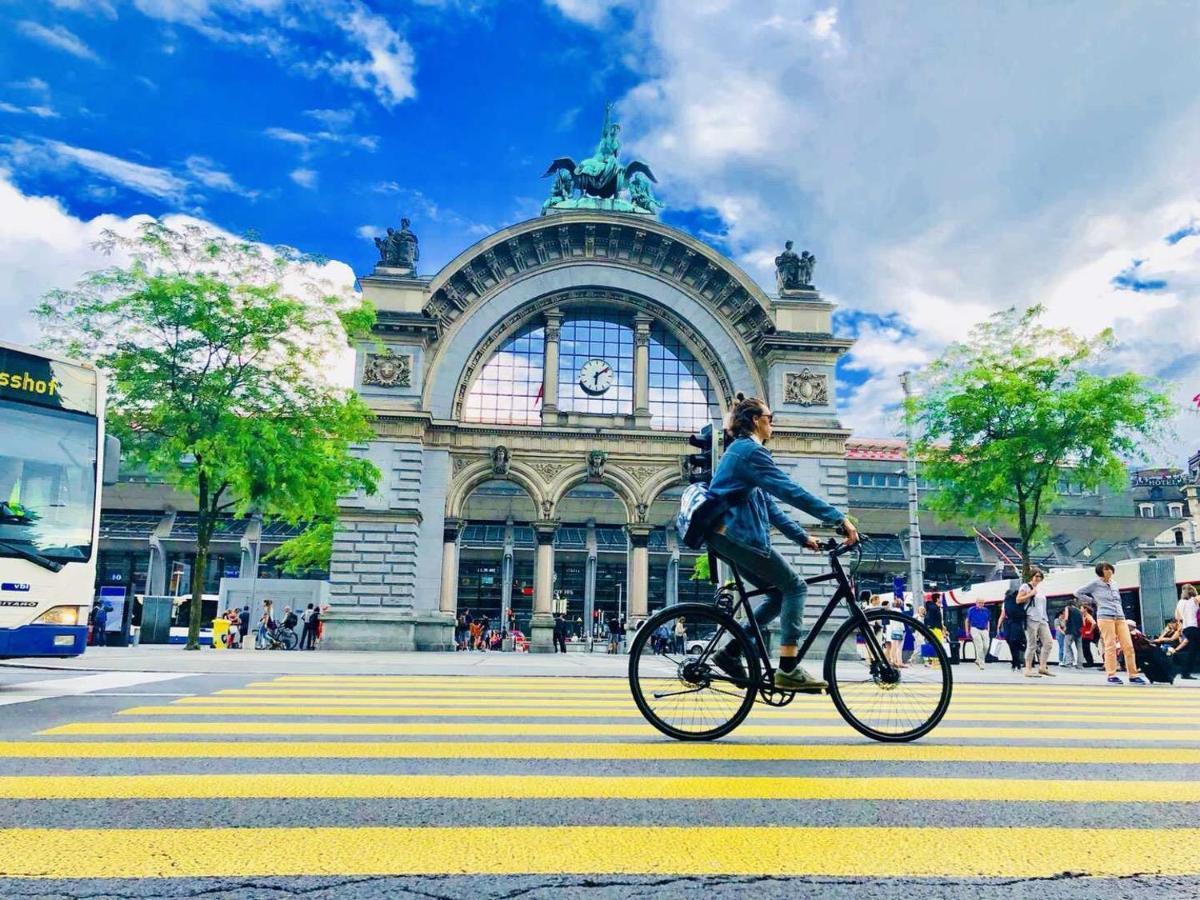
496,554
591,559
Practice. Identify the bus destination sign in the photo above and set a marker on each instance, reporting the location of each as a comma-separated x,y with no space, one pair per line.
46,382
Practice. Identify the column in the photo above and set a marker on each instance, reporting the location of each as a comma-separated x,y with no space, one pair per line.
506,571
589,580
641,366
542,624
550,369
639,570
672,579
449,600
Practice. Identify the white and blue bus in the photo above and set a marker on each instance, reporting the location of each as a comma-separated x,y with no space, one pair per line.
52,466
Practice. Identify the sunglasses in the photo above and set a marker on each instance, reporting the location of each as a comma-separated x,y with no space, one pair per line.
770,417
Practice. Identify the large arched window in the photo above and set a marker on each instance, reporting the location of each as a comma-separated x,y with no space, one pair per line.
508,390
595,362
681,397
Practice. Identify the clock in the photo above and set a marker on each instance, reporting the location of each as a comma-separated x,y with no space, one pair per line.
595,377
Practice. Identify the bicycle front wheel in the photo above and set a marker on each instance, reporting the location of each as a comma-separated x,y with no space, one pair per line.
288,639
676,685
879,699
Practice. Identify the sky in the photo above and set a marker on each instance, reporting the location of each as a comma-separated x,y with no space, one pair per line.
943,160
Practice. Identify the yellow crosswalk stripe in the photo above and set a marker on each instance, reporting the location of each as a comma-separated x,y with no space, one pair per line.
613,729
662,750
863,852
589,787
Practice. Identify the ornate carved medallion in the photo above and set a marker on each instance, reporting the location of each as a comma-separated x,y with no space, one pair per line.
387,370
806,388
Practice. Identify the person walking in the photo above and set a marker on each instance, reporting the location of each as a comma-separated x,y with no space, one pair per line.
933,621
266,623
1087,635
1012,620
1060,634
308,633
1187,614
680,634
560,634
979,624
1037,625
1114,629
1073,625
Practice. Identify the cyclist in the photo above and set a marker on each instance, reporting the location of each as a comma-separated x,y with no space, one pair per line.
750,480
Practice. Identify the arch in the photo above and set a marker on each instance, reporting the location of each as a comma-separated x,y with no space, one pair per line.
463,484
659,483
724,353
624,487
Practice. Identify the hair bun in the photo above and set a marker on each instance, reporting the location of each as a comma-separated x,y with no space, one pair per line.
740,396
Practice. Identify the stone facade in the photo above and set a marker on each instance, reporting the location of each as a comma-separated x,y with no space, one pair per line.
396,554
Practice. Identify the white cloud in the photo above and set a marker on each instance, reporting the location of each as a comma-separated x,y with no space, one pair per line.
306,178
372,56
205,171
90,7
336,122
149,180
42,112
57,37
588,12
368,232
31,84
44,247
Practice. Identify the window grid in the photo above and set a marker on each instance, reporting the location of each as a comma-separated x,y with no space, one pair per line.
680,394
596,334
508,389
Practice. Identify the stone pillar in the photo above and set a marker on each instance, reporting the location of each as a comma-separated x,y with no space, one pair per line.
542,624
589,580
639,571
450,532
550,369
641,366
672,579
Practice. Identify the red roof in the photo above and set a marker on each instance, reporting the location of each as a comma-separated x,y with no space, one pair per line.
878,448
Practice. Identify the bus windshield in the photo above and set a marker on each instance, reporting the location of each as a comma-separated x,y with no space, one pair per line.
47,482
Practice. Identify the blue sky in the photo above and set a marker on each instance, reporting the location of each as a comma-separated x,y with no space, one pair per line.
943,160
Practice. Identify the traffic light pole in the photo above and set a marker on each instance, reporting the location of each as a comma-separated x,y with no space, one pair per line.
718,430
916,574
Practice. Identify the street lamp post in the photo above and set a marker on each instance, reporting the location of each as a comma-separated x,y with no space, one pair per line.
916,573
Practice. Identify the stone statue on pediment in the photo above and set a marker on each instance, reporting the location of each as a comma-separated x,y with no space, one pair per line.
787,269
399,249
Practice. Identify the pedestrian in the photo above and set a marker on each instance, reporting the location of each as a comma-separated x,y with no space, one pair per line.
979,624
100,628
933,621
290,620
680,634
1037,625
1012,620
1087,634
233,637
1060,634
1114,629
1187,614
560,634
308,634
266,623
1073,625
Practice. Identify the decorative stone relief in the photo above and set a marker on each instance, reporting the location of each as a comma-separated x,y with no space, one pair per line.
547,508
596,461
640,474
389,370
643,510
500,462
548,470
461,462
806,388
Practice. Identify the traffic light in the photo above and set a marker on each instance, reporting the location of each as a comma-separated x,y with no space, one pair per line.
700,465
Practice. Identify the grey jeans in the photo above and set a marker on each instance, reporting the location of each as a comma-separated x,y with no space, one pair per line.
1073,652
1037,633
786,590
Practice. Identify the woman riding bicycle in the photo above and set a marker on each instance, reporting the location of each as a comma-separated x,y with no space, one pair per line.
750,479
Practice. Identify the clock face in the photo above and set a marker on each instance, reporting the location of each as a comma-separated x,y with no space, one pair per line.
595,376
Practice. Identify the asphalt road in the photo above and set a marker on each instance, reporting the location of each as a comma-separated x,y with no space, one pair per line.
125,784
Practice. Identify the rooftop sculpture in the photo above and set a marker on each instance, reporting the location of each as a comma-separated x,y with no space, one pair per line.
601,181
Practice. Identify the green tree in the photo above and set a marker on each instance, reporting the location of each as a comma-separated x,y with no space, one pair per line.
218,351
1004,413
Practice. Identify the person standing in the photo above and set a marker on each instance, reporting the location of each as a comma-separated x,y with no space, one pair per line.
1114,629
1073,625
680,634
1187,614
100,628
1060,634
1087,634
933,621
1037,625
244,625
560,634
979,623
308,633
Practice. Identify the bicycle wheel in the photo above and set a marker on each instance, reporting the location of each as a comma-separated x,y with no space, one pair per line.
683,694
879,700
288,638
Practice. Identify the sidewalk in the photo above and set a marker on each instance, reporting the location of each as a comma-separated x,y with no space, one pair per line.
495,665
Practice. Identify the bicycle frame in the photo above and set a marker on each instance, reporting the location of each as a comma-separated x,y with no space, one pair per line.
844,593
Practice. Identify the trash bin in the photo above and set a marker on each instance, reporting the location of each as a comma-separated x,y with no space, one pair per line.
219,630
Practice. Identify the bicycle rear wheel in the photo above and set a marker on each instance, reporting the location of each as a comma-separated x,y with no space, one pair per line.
288,639
683,694
879,700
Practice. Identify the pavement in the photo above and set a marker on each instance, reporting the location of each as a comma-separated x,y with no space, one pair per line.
174,782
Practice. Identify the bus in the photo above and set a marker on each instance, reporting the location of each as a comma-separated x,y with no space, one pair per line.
53,462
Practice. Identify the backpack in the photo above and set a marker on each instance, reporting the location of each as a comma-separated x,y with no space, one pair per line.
1013,611
700,512
290,620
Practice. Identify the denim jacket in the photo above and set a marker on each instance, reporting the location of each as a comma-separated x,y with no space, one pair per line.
747,468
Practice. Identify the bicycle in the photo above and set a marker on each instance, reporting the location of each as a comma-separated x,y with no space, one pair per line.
686,697
278,638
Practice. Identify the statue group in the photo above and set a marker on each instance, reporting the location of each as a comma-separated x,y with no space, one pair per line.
601,181
398,249
792,272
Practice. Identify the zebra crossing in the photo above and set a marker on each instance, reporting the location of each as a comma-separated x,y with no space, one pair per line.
477,776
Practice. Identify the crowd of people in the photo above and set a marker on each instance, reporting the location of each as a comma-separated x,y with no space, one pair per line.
309,620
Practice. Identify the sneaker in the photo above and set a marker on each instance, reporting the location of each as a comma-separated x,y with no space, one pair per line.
1113,679
1138,679
798,680
1048,673
729,664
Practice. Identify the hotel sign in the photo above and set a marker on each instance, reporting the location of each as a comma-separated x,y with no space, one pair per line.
1158,478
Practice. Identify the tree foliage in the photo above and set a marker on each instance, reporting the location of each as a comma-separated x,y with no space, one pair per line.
218,352
1003,412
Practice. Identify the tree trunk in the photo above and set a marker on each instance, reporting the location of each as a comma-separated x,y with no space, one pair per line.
1026,536
203,535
